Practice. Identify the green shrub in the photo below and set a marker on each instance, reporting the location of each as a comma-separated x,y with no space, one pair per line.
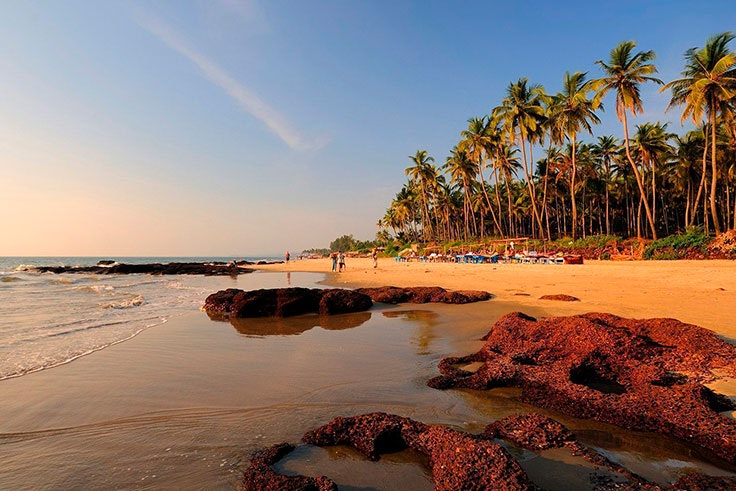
676,246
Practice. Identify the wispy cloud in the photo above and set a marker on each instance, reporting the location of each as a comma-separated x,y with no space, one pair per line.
242,95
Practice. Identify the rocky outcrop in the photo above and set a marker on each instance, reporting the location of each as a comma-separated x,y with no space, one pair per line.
284,302
560,298
260,476
459,460
423,294
643,375
206,269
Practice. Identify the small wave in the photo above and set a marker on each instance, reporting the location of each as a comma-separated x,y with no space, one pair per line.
24,371
135,301
95,288
64,281
9,279
25,268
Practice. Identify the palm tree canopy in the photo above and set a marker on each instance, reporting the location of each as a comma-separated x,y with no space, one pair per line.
709,79
625,72
522,109
572,110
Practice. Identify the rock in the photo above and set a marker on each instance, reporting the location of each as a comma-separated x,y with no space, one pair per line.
261,477
284,302
531,431
218,304
644,375
422,294
561,298
206,269
458,460
343,301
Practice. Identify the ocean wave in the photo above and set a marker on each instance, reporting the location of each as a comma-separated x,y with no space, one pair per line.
134,301
95,288
63,281
8,279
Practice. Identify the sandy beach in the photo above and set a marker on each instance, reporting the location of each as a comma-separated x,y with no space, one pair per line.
183,404
696,292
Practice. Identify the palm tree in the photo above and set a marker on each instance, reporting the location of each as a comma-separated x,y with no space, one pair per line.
572,111
606,150
708,87
522,113
476,142
421,174
625,72
462,172
650,142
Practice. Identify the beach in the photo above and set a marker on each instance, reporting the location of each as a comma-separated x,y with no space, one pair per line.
696,292
184,403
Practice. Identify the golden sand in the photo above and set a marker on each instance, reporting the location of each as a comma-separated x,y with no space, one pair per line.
696,292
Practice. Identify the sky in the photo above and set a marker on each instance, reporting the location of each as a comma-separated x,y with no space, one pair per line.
252,127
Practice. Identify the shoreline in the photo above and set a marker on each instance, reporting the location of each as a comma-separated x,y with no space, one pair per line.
696,292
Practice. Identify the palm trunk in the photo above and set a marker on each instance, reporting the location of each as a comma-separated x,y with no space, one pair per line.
488,201
530,184
608,214
701,187
637,175
714,177
573,175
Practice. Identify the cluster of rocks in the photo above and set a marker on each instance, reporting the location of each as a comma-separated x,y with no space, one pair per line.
423,294
458,460
109,267
286,302
645,375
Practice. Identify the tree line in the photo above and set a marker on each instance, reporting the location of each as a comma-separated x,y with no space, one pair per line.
647,183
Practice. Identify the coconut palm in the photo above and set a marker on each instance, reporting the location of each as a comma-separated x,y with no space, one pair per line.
462,172
476,142
522,114
571,112
707,90
624,73
650,143
421,174
606,149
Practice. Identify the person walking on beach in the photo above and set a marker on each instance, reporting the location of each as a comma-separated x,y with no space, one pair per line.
287,256
374,254
341,261
333,256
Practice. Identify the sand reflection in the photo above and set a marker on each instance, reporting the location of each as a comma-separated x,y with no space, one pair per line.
424,320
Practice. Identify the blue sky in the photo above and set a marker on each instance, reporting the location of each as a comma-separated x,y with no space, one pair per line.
245,127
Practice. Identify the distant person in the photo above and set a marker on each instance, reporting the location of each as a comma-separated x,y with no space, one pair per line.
287,256
374,254
340,261
333,256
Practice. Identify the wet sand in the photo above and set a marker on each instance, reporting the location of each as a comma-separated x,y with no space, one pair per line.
182,405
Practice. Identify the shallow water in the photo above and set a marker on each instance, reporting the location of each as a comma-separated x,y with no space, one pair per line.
183,404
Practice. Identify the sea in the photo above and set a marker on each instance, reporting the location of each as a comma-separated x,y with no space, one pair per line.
47,320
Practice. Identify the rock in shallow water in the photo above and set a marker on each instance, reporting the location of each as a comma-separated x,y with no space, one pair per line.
645,375
284,302
458,460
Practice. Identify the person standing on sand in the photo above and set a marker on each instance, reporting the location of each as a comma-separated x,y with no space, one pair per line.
333,256
287,256
374,254
341,261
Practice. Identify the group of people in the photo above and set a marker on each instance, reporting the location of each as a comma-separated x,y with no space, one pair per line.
338,261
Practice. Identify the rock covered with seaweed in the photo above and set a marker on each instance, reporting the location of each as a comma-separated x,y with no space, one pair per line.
646,375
